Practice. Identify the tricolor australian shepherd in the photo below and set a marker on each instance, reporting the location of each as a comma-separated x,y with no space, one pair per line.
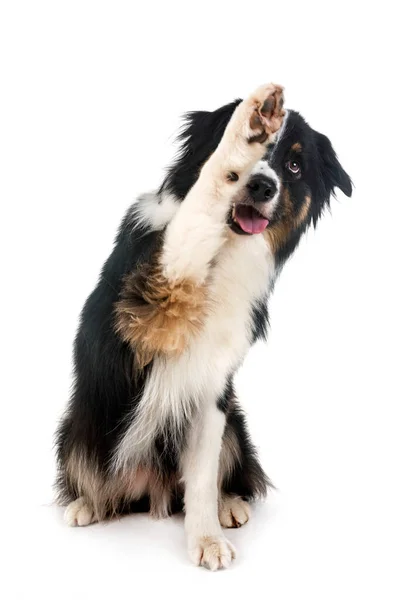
153,423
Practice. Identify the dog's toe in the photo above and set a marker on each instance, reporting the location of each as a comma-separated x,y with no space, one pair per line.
233,512
79,513
212,552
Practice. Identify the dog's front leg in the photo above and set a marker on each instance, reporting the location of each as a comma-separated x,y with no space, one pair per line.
165,304
207,544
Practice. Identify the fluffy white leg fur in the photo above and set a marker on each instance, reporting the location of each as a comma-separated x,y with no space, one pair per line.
79,513
197,231
207,545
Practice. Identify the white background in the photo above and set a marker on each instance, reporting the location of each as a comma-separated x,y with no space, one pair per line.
91,98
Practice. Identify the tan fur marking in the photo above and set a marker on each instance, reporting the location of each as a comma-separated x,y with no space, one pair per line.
277,235
107,494
155,315
161,492
229,456
297,147
304,211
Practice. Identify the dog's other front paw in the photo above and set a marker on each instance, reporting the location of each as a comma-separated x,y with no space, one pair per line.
213,552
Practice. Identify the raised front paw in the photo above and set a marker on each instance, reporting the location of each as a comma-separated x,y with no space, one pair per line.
254,124
213,552
259,117
265,108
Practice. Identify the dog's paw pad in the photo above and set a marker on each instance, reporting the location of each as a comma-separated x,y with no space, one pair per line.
267,113
79,513
212,552
233,512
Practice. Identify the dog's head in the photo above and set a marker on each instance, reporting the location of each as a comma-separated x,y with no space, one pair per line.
285,192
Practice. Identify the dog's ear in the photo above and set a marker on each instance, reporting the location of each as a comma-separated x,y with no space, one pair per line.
329,176
200,135
332,172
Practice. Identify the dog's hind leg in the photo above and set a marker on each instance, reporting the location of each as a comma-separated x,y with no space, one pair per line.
88,494
241,477
240,472
233,511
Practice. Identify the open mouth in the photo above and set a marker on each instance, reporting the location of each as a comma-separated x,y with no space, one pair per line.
248,219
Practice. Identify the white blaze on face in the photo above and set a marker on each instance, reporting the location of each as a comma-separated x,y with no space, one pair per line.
262,168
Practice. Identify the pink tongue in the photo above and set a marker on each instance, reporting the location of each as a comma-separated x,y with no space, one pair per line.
251,222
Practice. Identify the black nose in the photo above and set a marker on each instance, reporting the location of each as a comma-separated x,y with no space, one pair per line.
261,188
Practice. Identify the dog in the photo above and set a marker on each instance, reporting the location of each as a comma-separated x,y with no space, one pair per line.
153,423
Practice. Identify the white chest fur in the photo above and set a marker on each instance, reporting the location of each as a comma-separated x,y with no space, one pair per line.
179,386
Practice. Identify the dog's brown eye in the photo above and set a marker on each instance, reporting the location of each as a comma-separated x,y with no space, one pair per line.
293,166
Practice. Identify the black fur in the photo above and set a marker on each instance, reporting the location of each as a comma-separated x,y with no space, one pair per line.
247,478
199,138
260,320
